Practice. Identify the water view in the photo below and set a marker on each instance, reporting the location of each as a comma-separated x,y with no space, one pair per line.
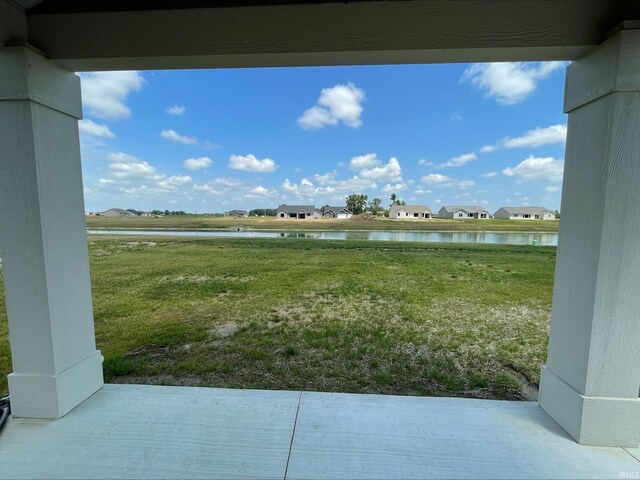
503,238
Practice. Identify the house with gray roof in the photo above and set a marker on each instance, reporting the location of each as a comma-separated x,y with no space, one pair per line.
525,213
119,212
410,212
297,212
238,213
337,212
461,212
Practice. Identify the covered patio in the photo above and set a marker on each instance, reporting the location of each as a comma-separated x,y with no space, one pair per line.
136,431
66,423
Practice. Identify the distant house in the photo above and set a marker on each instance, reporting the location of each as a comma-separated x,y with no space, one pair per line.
238,213
119,212
525,213
298,212
461,212
337,212
137,213
409,212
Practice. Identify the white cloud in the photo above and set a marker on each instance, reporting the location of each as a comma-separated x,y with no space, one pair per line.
422,191
202,187
89,127
436,179
250,163
390,172
226,182
104,93
288,186
327,178
176,137
197,163
552,189
425,163
351,185
398,187
121,157
537,169
306,182
259,190
538,137
175,181
176,110
339,104
124,166
460,160
488,149
489,174
510,82
362,162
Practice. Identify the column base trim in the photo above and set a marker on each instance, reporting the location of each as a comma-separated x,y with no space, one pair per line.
601,421
53,396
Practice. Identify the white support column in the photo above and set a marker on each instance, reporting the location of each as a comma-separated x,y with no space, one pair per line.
42,232
590,382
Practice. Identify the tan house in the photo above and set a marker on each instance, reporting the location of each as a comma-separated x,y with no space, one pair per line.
409,212
462,212
298,212
525,213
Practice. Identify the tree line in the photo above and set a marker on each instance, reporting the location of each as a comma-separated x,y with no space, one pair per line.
359,203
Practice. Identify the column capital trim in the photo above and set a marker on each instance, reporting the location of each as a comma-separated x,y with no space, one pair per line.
612,67
28,75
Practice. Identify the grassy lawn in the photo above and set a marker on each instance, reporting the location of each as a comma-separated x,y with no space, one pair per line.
256,223
368,317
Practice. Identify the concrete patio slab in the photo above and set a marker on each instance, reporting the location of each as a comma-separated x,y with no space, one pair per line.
135,431
375,436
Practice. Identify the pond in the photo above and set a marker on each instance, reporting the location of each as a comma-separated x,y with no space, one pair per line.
504,238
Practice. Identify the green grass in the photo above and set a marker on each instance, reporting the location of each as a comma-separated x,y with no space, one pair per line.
255,223
348,316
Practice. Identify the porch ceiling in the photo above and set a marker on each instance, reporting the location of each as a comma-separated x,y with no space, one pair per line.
127,431
140,34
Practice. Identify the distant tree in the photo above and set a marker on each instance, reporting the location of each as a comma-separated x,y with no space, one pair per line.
557,212
167,212
374,206
262,212
395,200
357,203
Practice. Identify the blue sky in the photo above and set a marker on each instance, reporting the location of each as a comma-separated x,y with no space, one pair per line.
215,140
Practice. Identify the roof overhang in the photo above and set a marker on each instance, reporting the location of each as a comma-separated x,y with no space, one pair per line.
140,34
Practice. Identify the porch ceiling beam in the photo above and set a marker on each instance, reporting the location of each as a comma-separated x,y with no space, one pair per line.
412,31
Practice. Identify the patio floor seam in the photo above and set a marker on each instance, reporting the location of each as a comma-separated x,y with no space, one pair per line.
293,434
634,457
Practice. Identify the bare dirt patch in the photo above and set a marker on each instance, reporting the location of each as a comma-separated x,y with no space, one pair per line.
225,330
